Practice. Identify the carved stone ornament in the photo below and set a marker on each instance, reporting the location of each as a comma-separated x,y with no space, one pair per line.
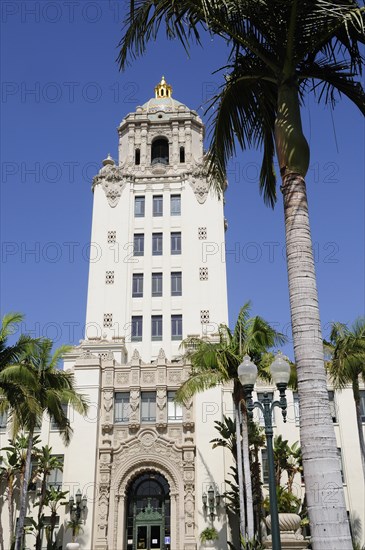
200,184
110,356
86,354
113,180
161,399
161,354
147,439
122,377
108,400
148,377
175,377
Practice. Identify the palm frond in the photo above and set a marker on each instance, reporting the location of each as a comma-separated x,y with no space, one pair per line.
198,382
244,112
7,324
334,79
347,362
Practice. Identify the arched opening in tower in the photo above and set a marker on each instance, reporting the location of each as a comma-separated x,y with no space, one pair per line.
160,151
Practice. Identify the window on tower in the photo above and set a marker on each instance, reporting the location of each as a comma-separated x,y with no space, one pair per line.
176,327
156,284
175,204
137,324
156,327
137,157
121,407
176,243
139,207
174,410
137,285
157,205
176,286
148,406
160,151
55,475
182,154
157,244
138,244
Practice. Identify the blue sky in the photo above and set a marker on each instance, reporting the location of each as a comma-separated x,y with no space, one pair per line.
62,99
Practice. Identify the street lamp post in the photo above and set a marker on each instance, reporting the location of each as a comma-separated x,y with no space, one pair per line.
211,501
77,508
280,372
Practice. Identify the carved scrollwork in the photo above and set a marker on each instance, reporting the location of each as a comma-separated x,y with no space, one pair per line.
108,400
161,399
113,180
199,183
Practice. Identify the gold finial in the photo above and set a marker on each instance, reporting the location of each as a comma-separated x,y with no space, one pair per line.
162,89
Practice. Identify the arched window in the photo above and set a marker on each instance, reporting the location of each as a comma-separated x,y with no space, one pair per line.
160,151
148,512
182,154
137,156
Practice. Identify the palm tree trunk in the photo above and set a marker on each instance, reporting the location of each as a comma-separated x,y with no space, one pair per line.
326,507
51,529
247,474
11,509
38,541
23,494
356,392
240,475
258,491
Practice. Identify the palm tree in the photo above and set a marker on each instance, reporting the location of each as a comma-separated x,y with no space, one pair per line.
12,471
8,472
54,499
216,363
347,365
46,464
49,388
14,393
227,439
279,51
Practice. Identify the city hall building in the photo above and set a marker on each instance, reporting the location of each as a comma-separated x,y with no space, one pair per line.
144,462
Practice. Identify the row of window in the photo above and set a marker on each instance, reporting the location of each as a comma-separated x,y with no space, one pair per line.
156,327
138,278
147,407
157,206
157,243
38,427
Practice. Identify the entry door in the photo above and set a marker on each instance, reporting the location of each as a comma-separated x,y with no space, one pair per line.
149,537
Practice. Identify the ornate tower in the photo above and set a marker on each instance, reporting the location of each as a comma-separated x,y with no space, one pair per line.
159,276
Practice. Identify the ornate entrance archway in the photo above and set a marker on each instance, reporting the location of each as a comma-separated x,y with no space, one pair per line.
148,513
